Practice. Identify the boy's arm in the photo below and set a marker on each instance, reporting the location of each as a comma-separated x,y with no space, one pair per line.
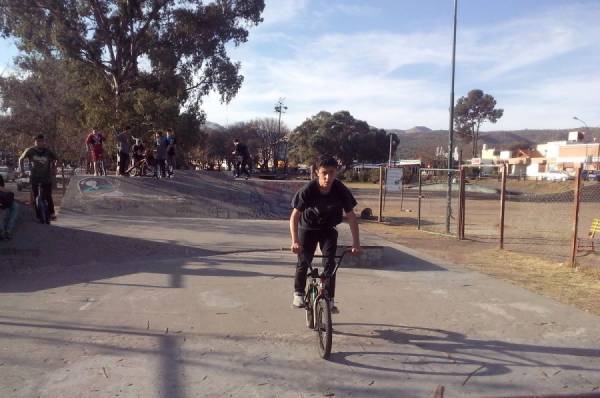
22,161
294,218
351,217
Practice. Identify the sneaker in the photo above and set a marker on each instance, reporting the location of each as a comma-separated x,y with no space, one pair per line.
53,217
333,308
298,301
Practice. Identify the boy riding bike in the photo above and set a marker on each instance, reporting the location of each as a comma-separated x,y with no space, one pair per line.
94,142
42,162
318,208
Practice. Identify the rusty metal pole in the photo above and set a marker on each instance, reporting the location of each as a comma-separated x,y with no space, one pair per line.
464,204
576,202
419,202
502,205
380,218
461,204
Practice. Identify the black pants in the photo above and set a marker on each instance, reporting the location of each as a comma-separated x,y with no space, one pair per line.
123,163
327,241
46,194
161,168
242,168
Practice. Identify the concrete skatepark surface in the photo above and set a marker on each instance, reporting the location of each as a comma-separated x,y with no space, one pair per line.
191,194
140,306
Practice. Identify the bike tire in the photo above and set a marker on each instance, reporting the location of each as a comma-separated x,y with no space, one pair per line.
42,209
323,327
310,314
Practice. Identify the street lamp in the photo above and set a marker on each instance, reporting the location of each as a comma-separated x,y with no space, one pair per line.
279,108
586,145
451,128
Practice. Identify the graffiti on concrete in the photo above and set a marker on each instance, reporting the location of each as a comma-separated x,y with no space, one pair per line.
95,185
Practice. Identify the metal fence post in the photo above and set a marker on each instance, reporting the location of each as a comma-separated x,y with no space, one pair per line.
461,204
380,218
502,205
419,202
576,202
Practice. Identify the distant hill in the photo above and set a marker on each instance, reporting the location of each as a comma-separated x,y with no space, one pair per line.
212,126
424,144
418,129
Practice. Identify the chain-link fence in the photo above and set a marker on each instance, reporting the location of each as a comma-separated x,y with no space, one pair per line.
588,229
482,193
436,212
539,218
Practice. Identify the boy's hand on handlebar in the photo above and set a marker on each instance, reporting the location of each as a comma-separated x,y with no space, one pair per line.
296,247
356,251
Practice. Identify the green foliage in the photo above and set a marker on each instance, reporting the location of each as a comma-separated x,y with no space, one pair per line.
471,112
107,63
341,136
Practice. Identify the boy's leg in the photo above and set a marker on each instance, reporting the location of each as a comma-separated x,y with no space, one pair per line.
328,244
11,218
308,240
47,194
35,190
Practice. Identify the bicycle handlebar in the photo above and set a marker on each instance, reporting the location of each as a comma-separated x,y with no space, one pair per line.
338,263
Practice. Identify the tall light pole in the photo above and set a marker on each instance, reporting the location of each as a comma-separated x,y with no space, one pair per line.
451,128
586,146
279,108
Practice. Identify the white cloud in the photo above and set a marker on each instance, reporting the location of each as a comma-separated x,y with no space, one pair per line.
363,73
280,11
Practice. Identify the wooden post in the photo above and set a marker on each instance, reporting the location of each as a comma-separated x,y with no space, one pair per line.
380,218
576,202
461,205
419,202
502,205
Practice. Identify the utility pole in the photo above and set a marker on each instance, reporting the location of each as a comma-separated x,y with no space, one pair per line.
279,108
451,129
587,128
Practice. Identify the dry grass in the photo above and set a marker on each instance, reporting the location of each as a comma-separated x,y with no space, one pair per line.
578,287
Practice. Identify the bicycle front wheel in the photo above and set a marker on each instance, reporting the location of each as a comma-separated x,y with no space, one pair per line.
323,327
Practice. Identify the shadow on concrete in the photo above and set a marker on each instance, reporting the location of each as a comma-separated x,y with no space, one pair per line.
46,257
396,260
489,357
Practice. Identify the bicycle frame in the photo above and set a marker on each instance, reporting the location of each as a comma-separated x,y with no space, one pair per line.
320,281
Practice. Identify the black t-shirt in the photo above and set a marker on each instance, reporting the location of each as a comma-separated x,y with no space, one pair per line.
241,150
41,161
322,211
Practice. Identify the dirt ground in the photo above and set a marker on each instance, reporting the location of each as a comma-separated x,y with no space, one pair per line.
538,238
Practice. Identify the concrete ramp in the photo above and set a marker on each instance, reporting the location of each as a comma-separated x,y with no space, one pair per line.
190,194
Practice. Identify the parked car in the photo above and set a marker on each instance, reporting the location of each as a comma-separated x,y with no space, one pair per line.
7,173
591,175
23,183
558,176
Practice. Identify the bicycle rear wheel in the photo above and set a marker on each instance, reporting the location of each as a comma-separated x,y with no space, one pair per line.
42,209
323,327
309,301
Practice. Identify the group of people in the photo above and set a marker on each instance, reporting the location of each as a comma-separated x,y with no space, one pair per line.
318,207
132,154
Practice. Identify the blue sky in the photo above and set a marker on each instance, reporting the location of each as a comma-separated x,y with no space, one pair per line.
388,61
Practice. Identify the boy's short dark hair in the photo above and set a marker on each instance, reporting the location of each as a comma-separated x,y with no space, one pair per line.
326,161
39,137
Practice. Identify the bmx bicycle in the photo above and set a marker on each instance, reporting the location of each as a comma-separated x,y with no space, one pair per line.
317,305
99,167
42,209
